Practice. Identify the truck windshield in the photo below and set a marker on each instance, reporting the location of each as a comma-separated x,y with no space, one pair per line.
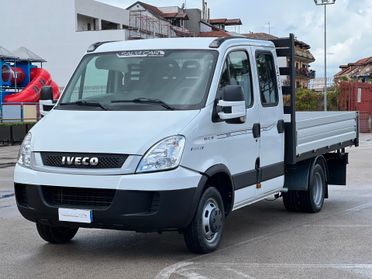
141,80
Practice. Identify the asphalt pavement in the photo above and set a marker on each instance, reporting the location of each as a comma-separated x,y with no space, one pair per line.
260,241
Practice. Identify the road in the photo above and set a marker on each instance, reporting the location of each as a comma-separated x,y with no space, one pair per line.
261,241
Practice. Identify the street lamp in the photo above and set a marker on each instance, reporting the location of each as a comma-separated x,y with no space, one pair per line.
325,3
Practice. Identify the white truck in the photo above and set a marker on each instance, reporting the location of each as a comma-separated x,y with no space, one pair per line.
175,134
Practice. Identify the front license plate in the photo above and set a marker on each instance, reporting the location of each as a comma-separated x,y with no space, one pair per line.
75,215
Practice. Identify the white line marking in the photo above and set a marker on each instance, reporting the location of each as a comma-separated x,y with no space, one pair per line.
188,273
168,271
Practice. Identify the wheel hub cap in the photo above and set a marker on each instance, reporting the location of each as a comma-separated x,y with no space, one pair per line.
215,220
212,220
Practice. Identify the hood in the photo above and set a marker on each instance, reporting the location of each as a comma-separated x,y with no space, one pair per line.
122,132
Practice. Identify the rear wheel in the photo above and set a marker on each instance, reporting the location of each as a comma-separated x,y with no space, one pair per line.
56,235
205,231
311,200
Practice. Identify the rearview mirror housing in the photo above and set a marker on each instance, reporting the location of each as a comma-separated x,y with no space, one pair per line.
46,93
232,108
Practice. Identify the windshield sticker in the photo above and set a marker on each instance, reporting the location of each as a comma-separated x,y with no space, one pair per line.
142,53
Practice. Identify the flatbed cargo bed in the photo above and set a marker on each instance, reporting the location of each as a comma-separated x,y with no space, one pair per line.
321,132
309,134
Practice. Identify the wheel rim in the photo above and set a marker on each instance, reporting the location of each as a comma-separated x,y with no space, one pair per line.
212,220
318,189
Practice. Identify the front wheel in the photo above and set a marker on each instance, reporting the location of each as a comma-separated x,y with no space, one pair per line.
56,235
204,233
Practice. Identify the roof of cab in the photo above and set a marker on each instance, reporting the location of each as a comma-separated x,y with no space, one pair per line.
179,43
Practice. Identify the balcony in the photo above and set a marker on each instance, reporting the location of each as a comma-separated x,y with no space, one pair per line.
305,73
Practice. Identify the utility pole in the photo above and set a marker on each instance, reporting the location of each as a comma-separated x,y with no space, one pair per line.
269,24
325,3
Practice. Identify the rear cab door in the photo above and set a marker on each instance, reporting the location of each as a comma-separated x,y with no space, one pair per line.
271,112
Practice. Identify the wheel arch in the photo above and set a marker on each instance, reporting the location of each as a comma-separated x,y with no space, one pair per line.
220,177
297,176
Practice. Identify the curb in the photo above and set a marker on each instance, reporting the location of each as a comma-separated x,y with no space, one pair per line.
7,165
4,196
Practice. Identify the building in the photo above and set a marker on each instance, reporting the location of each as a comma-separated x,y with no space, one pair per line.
147,21
303,59
224,23
358,71
96,16
62,33
354,83
59,30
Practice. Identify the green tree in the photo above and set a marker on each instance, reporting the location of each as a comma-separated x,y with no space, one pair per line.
332,97
308,100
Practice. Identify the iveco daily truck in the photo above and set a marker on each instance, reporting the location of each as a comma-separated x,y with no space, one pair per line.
174,135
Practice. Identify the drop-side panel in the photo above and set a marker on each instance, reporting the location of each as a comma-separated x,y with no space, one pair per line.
319,130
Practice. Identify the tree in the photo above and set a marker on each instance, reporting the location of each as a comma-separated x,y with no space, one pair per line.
308,100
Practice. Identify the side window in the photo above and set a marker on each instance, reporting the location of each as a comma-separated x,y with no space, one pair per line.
267,79
91,84
237,71
95,80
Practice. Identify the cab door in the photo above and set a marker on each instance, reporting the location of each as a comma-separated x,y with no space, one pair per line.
242,139
271,112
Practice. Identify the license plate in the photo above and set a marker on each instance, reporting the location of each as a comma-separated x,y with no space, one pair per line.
75,215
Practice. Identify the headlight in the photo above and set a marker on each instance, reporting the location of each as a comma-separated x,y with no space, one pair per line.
24,158
164,155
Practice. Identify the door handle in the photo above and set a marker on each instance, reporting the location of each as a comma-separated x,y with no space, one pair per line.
281,126
256,130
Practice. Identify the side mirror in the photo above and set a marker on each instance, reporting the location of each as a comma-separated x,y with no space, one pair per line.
46,93
46,100
232,108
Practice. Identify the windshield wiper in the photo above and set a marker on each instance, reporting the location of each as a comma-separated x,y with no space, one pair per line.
145,101
84,103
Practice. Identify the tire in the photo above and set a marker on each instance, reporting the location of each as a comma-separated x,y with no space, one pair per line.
204,234
292,201
312,200
56,235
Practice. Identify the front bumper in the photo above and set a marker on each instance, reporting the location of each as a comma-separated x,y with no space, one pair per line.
148,208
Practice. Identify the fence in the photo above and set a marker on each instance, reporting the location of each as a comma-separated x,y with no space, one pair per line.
357,96
19,112
16,120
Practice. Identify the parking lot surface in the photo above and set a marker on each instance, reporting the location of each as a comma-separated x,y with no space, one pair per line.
260,241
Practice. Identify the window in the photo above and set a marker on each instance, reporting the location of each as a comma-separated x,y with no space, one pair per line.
180,78
267,79
92,83
237,71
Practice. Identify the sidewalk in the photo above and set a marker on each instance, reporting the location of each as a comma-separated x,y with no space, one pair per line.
8,158
8,155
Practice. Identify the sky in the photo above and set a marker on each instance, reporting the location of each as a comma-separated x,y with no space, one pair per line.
349,24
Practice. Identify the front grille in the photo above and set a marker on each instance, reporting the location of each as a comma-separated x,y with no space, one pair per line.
105,161
78,197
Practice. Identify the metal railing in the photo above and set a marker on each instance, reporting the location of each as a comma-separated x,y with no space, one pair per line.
19,112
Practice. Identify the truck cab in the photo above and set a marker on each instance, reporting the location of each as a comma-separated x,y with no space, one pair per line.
174,134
